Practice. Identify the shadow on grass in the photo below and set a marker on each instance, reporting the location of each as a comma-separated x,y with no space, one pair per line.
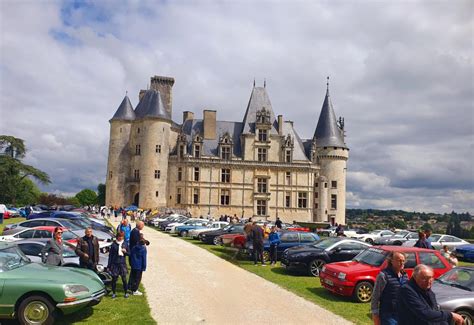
292,272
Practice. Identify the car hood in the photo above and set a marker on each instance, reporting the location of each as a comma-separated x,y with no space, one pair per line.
350,266
445,293
304,249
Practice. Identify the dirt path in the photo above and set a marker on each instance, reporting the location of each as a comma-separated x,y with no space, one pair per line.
186,285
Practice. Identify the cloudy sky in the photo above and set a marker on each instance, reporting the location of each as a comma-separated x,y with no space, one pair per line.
401,75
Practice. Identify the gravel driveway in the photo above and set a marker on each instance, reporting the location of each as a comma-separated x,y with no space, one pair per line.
187,285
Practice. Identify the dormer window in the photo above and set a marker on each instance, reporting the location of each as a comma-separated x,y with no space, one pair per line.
287,149
181,145
263,116
288,156
197,146
262,135
225,147
197,151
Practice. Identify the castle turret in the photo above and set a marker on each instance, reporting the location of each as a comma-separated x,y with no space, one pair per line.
332,155
164,85
119,155
152,147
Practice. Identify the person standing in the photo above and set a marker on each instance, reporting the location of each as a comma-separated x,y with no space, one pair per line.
387,286
54,249
422,242
125,228
416,302
138,265
117,265
257,238
428,240
274,239
88,250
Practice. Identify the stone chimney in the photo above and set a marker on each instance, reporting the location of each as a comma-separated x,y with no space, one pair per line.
141,94
209,118
164,85
280,124
187,115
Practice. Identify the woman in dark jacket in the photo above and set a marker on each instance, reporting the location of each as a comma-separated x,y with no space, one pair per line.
117,265
54,248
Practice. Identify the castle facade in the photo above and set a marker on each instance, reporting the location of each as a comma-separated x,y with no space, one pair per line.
256,167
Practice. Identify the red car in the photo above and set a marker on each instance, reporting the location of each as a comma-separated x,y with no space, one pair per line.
356,278
294,227
233,240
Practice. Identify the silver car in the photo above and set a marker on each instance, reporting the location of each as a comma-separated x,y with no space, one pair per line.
455,292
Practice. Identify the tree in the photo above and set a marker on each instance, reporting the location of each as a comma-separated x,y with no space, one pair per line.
398,224
427,226
101,194
13,172
28,192
87,197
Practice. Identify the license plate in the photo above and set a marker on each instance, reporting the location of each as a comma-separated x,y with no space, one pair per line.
328,282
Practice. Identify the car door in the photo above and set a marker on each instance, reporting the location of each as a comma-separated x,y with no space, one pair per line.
288,239
33,251
25,234
410,263
345,251
433,260
41,233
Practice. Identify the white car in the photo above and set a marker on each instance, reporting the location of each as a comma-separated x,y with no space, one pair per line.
439,240
371,236
194,233
172,226
156,221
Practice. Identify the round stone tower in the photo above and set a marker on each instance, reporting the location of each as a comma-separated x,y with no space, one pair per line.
119,155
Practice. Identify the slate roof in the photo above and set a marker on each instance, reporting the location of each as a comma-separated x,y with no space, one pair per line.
124,111
299,152
328,133
258,99
151,106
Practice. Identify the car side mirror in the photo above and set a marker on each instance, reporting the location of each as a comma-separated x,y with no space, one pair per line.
338,249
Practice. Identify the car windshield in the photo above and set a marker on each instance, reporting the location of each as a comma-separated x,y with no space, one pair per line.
325,243
12,258
371,256
462,278
71,225
375,232
79,222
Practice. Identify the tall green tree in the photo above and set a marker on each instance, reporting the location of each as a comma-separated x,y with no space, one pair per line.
13,172
87,197
101,194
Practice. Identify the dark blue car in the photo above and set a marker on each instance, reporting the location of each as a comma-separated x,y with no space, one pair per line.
465,252
83,221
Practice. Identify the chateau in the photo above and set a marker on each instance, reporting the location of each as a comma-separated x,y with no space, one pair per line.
255,167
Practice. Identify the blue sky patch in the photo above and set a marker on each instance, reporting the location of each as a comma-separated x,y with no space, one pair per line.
64,38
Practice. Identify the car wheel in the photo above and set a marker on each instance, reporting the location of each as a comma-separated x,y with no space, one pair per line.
216,241
315,266
468,317
266,256
184,233
370,241
363,291
36,310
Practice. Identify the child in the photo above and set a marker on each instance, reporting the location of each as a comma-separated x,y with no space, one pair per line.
117,265
138,265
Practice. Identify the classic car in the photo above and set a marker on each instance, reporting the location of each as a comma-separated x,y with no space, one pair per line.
440,240
179,219
312,258
215,225
371,236
398,239
455,292
465,252
190,225
172,226
212,237
33,292
39,232
356,278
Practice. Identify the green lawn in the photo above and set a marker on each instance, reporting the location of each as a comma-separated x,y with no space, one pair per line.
305,286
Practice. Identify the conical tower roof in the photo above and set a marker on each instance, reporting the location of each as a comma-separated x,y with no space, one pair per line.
151,106
124,111
258,99
328,133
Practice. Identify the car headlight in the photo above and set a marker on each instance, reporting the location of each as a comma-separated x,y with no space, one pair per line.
324,268
341,276
100,268
72,290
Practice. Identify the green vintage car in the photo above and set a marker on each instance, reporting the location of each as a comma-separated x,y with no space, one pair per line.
36,293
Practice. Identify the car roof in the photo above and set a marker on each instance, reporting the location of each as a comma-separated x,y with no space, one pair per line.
50,228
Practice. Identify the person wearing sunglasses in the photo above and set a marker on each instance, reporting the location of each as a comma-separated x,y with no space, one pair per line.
52,252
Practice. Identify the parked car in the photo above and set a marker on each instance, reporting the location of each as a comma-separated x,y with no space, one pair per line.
356,278
465,252
83,221
177,228
292,227
312,258
371,236
32,248
398,239
439,240
212,237
33,292
40,214
163,224
13,212
40,232
455,292
236,240
215,225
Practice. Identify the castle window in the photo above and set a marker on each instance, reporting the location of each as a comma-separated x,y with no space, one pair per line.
157,174
110,175
197,151
288,156
138,130
180,173
158,148
196,173
302,200
262,135
136,174
288,178
156,194
316,195
196,196
262,154
181,151
325,185
137,150
316,185
225,152
178,196
225,175
120,130
261,185
333,184
316,205
225,197
333,201
288,200
261,207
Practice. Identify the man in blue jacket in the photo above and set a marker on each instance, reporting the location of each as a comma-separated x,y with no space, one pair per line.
138,265
274,239
417,303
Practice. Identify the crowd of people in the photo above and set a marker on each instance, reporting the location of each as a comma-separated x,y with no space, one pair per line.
424,242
